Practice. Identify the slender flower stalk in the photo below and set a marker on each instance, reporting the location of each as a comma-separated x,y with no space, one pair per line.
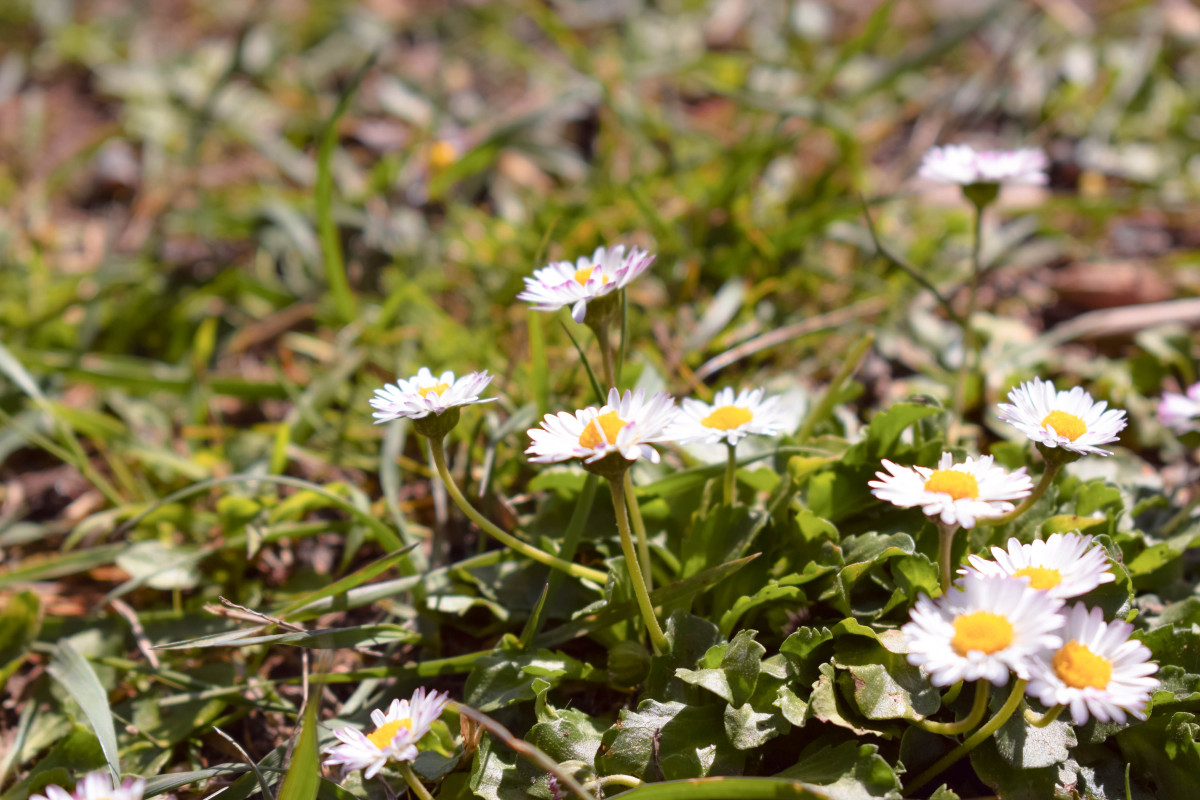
438,449
945,553
970,346
978,709
1052,468
657,638
731,475
639,530
414,782
1045,719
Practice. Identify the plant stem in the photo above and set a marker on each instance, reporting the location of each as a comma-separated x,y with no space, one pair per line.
978,708
606,355
968,331
413,781
438,451
731,475
1045,719
657,639
1052,468
945,548
975,739
639,530
952,695
823,406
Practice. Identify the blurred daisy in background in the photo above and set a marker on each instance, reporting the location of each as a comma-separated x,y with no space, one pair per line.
423,394
729,418
97,785
575,284
966,166
626,425
1180,412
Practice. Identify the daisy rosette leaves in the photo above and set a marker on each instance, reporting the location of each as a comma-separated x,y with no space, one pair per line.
395,737
97,785
957,494
981,629
575,284
1098,671
729,418
964,165
1180,412
623,428
1070,419
1064,565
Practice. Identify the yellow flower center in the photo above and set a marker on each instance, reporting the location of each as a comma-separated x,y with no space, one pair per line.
425,390
954,483
442,154
1040,577
727,417
582,275
609,422
982,631
1079,668
1064,424
383,736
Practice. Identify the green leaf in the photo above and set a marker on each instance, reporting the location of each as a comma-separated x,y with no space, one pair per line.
723,534
735,677
883,684
669,741
304,772
508,677
351,581
726,789
76,752
849,769
76,675
19,625
689,638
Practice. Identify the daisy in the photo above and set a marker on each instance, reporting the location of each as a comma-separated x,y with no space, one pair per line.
980,629
1065,565
96,785
563,283
423,394
395,736
1099,671
626,425
1180,412
729,418
957,494
1071,420
966,166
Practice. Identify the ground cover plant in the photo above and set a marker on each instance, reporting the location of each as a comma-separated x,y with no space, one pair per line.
505,400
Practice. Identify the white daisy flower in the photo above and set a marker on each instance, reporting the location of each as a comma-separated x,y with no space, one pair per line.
626,424
423,394
1098,671
982,628
957,494
729,418
1180,412
1065,565
1071,419
563,283
966,166
96,785
395,736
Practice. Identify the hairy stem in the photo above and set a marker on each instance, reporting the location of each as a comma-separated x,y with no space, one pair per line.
731,475
945,548
968,333
1045,719
1052,468
657,638
639,531
413,781
978,709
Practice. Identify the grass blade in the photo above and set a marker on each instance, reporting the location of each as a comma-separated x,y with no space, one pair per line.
304,772
726,789
76,675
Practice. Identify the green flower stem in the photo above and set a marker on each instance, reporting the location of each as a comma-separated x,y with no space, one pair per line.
413,781
978,708
438,450
1045,719
635,571
1052,468
639,531
731,475
952,695
945,548
606,355
973,741
968,331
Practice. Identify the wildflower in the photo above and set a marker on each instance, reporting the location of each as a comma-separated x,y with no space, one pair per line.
1065,565
423,394
728,418
1098,671
97,785
624,426
1071,419
395,736
957,494
1180,412
966,166
982,628
562,283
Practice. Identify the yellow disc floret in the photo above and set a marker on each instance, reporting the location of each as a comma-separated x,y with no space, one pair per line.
957,484
582,275
1079,668
442,154
609,422
1064,424
383,736
728,417
1040,577
983,631
438,389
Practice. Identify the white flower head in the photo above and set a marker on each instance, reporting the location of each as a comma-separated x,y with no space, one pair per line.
1071,419
424,394
626,424
97,785
729,418
957,494
574,284
981,629
1065,565
1180,412
395,736
966,166
1097,671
